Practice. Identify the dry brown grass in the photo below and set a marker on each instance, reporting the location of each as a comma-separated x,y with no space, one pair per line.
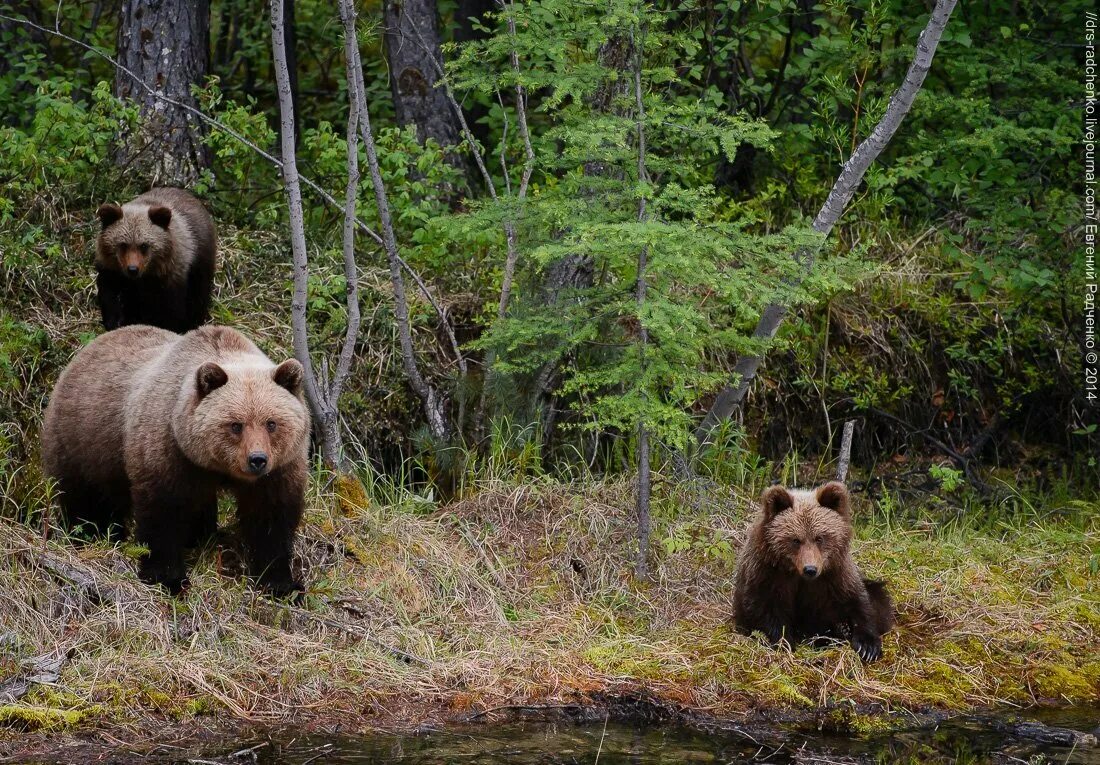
524,593
519,592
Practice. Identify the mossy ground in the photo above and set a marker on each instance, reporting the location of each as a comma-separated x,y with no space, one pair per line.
525,593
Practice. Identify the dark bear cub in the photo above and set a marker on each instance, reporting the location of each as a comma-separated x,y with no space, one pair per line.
148,424
796,577
155,260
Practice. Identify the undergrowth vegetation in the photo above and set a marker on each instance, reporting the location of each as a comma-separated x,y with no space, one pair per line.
450,576
521,593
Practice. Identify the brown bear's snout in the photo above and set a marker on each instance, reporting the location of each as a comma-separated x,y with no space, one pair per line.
131,263
810,572
257,462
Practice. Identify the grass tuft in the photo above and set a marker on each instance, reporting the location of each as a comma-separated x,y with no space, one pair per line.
523,592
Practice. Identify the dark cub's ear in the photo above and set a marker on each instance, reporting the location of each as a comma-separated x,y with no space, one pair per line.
161,216
108,214
209,378
776,499
834,495
289,375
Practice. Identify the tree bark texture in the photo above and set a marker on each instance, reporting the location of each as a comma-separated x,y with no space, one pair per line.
730,398
165,45
411,36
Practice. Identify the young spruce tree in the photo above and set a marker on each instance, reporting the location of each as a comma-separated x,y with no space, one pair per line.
674,281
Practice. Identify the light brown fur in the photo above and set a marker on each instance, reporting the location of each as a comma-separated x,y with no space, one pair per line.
796,577
145,419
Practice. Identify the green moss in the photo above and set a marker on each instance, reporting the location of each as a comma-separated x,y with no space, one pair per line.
203,705
621,657
847,722
1057,681
28,717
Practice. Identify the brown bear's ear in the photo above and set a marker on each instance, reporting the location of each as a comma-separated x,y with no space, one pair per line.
834,495
108,214
161,216
775,500
289,375
209,378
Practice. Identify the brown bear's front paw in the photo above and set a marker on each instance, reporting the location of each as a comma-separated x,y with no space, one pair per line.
172,578
868,646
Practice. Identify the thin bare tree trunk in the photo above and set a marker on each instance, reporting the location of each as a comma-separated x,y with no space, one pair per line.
290,29
434,406
163,47
292,185
845,451
323,396
641,566
730,398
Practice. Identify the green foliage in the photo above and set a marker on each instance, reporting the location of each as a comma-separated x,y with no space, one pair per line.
79,130
948,478
707,273
947,280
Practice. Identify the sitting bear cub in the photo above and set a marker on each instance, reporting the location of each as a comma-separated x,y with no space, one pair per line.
796,577
147,423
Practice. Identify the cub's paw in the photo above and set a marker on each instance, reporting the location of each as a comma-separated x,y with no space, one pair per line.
284,588
776,634
867,645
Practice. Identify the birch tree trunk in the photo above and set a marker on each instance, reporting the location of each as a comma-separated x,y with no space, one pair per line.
641,566
322,395
730,398
165,45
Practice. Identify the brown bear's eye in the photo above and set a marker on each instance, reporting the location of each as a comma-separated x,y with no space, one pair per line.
796,543
236,427
820,540
144,248
271,426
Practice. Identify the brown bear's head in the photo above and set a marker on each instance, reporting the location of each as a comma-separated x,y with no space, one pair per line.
135,239
246,419
807,530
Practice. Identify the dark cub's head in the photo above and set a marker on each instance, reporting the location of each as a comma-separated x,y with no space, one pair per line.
135,239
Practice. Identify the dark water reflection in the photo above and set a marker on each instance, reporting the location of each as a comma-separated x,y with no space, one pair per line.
530,743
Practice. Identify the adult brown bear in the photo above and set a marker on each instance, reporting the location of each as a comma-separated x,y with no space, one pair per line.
796,577
153,424
155,260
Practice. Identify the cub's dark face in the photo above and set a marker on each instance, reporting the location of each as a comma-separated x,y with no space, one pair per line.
807,531
248,421
134,241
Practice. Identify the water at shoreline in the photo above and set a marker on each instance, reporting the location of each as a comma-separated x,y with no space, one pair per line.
965,740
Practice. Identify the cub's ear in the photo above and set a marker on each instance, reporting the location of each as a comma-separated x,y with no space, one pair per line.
834,495
776,499
161,216
289,375
108,214
209,378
